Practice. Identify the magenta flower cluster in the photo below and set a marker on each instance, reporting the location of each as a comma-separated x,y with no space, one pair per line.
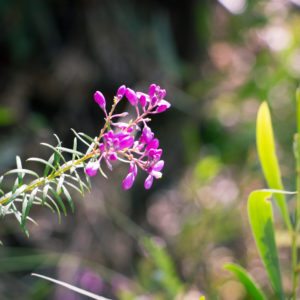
133,141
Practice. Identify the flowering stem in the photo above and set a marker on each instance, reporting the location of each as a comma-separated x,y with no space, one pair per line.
43,180
5,199
107,120
65,167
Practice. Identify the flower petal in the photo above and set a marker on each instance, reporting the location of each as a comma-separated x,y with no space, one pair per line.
128,181
131,96
91,168
163,105
100,99
148,182
158,166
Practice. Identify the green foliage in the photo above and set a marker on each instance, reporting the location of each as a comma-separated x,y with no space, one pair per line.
71,287
165,274
268,159
245,278
261,220
207,168
6,116
50,190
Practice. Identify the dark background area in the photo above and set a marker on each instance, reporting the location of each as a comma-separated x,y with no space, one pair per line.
218,60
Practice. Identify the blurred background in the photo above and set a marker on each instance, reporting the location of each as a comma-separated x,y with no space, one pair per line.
218,60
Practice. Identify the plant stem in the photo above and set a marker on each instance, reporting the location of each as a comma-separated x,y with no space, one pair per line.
5,199
43,180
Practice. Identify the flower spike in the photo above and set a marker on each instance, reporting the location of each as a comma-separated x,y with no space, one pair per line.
132,141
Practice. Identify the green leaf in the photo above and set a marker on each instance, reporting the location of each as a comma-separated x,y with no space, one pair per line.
59,200
70,151
56,151
74,187
60,182
163,262
261,220
74,149
78,180
42,161
49,165
55,206
1,191
71,287
69,198
22,171
19,166
80,138
268,159
27,204
247,281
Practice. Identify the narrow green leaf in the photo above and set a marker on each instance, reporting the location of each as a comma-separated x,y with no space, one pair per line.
268,159
22,171
24,208
70,151
19,166
59,200
56,151
261,220
27,204
49,165
78,180
42,161
74,187
55,206
80,138
102,172
247,281
57,154
69,198
74,149
71,287
18,216
15,186
59,184
16,193
88,138
1,191
164,263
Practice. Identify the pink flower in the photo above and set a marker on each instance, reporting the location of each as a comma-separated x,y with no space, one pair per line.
148,182
100,99
153,144
147,135
126,142
121,91
92,167
152,89
128,181
163,105
131,141
156,168
131,96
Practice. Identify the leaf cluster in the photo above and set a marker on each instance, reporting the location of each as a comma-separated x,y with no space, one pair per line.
53,189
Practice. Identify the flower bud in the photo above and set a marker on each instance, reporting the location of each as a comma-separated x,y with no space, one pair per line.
121,91
152,89
128,181
131,96
148,182
91,168
100,99
163,105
